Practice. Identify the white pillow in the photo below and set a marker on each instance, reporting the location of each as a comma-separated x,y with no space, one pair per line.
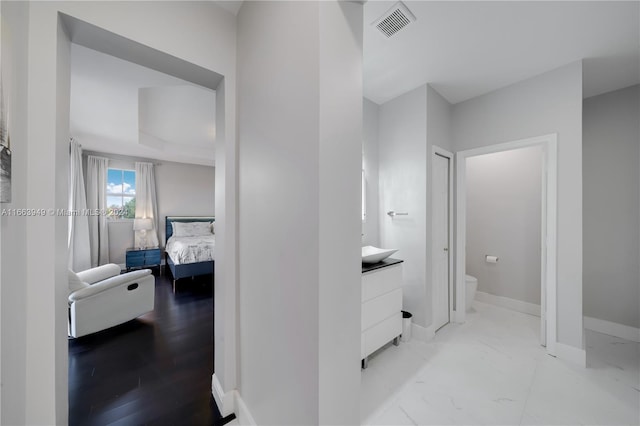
75,283
202,228
191,229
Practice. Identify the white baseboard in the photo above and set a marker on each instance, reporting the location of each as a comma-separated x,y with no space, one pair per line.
421,333
571,354
613,329
224,401
505,302
242,412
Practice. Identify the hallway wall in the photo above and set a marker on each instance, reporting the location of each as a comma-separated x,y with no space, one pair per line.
13,246
300,158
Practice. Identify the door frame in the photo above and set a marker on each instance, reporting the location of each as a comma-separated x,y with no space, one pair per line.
436,150
548,300
225,377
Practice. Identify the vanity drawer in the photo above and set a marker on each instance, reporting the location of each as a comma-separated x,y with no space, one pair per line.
380,334
382,307
380,281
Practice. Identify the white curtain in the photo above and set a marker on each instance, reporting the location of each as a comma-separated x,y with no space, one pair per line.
78,242
97,200
146,204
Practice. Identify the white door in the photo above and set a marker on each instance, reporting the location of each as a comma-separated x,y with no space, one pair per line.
440,240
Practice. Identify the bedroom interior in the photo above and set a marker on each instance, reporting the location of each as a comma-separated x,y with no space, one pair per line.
153,134
130,113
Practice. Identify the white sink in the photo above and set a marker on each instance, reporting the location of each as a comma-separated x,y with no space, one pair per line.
372,254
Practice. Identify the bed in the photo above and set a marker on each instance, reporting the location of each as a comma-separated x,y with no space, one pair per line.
185,263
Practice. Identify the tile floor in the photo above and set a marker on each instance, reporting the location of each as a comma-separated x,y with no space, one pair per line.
492,370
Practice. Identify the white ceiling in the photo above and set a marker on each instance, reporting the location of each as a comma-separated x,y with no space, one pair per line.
119,107
466,49
463,49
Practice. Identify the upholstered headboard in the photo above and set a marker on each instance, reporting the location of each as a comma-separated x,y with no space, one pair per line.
170,219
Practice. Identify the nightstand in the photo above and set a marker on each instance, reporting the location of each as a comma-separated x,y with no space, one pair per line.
142,258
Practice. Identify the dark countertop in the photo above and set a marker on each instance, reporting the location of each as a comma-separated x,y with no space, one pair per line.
367,267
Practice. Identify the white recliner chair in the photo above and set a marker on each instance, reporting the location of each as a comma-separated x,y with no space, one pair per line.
100,298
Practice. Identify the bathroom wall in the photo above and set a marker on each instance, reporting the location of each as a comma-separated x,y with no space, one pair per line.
504,205
403,180
438,134
611,139
548,103
370,227
409,126
438,121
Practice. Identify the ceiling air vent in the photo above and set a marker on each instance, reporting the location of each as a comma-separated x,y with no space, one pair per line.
396,18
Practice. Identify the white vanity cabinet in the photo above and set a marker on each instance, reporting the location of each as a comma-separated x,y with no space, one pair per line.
381,307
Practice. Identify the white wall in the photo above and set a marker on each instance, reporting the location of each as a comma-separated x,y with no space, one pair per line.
370,228
13,229
278,175
341,134
200,33
226,349
504,211
438,120
184,190
300,156
438,134
403,188
549,103
46,313
611,139
409,126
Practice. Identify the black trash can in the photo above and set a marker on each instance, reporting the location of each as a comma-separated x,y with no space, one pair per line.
406,326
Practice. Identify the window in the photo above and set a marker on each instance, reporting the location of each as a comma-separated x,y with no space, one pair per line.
121,194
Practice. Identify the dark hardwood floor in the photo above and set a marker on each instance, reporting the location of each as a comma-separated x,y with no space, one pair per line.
154,370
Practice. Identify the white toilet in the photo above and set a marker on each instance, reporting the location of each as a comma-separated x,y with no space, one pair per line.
471,287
